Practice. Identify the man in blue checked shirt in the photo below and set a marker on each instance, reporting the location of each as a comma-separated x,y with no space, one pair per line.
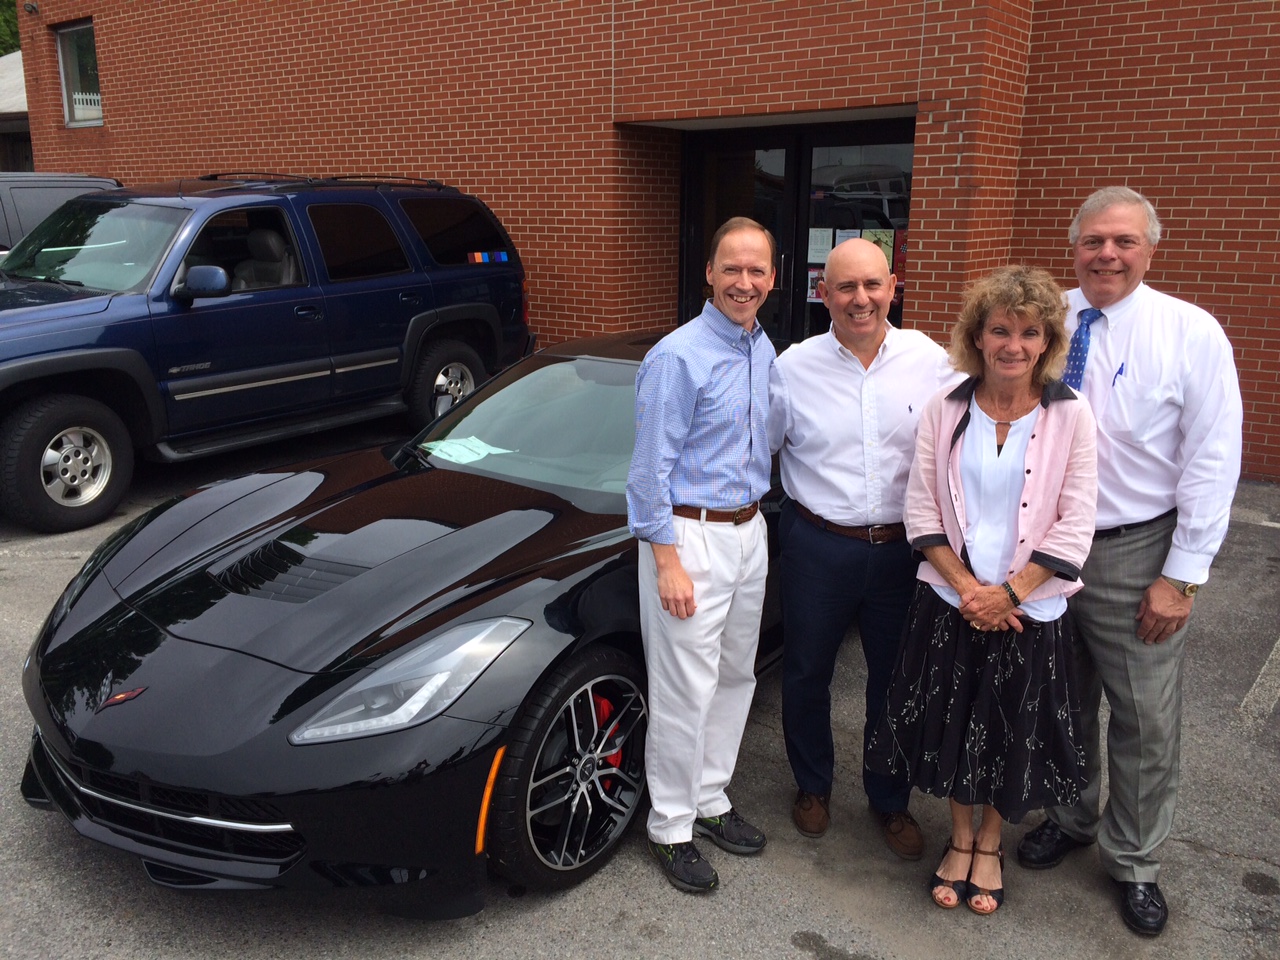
700,467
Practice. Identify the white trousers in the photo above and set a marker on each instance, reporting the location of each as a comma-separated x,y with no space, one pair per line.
701,670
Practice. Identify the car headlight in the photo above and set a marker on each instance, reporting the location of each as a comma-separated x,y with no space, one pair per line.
415,687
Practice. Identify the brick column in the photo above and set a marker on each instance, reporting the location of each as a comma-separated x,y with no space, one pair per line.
972,76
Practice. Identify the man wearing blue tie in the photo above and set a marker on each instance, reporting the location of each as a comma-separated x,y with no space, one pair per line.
1160,377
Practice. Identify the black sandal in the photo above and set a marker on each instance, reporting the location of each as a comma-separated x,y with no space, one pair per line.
975,891
960,887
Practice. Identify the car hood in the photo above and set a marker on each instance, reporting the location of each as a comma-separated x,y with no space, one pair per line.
334,566
26,302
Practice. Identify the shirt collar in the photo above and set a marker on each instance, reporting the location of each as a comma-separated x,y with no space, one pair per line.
728,331
1052,391
890,332
1119,311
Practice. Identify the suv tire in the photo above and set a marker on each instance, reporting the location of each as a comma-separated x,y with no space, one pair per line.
65,463
447,371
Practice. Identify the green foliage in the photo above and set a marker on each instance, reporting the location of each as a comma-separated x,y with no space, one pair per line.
8,26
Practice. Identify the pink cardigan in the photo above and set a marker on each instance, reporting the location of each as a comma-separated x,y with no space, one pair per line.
1055,525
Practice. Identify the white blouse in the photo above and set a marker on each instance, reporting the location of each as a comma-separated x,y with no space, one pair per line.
993,480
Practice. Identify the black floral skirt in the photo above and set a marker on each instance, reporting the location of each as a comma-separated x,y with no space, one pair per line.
982,718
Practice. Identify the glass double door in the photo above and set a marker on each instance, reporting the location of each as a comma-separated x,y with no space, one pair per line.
812,186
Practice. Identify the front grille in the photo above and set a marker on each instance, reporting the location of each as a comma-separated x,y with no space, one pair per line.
187,821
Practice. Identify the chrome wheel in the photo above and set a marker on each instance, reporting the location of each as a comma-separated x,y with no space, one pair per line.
453,383
589,773
573,775
76,467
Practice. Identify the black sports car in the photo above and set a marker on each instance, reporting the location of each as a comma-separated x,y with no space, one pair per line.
382,667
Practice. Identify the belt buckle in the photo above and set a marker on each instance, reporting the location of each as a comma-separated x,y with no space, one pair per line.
878,533
738,517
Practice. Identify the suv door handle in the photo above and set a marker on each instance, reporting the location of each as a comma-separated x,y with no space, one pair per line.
411,298
307,312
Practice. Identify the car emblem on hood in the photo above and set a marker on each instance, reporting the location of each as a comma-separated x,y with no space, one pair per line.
117,698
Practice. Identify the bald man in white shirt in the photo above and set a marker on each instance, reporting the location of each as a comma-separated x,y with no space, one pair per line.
843,410
1160,377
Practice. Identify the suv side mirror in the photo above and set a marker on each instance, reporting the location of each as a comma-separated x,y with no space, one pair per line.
203,280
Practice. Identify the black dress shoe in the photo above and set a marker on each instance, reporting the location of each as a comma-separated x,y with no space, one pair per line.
1142,907
1045,846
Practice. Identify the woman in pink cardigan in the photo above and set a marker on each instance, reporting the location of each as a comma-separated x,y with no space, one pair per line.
1001,503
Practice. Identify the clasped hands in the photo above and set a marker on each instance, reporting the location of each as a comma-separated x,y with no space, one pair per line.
989,608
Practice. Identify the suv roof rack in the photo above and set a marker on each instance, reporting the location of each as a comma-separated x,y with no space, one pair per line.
254,175
385,178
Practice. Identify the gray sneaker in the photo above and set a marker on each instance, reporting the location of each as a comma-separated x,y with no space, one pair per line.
730,832
684,866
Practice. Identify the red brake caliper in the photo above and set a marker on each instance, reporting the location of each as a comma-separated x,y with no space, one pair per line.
604,710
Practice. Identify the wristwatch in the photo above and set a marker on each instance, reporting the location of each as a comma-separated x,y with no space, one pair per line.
1184,588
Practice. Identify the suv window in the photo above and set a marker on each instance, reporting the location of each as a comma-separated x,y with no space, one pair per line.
456,230
100,244
253,244
356,241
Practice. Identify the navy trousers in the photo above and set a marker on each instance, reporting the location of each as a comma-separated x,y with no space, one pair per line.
828,580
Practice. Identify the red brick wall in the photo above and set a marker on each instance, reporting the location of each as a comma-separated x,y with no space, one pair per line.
1180,101
542,107
972,79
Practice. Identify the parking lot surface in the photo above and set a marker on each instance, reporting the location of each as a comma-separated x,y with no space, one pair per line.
843,897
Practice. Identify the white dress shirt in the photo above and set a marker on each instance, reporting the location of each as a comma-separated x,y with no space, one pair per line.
1161,380
845,435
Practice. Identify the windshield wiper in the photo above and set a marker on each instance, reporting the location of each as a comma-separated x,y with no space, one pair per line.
58,280
420,455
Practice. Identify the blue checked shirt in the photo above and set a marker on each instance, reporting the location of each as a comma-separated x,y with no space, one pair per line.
702,406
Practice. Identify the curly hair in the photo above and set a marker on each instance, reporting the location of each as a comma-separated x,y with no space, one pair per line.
1027,292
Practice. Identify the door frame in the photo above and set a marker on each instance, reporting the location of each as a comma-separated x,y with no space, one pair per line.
799,140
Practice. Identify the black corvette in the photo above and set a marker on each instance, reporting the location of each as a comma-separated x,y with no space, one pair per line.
385,667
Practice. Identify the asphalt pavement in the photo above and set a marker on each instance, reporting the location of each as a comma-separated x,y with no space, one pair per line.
843,897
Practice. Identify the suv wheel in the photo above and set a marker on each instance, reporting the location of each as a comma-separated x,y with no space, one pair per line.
65,463
447,371
573,776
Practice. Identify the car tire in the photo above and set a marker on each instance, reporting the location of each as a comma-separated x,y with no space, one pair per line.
573,776
65,463
447,371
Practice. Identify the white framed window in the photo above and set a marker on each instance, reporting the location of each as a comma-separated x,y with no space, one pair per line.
78,64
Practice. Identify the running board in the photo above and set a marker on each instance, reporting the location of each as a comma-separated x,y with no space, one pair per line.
286,430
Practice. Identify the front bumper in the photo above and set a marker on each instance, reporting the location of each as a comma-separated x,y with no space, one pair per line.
401,830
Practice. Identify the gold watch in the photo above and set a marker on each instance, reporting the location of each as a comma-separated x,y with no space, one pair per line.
1184,588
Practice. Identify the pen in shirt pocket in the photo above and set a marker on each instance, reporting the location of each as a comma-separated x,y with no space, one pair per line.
1119,374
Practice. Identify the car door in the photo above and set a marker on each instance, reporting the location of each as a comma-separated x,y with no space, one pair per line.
374,286
260,352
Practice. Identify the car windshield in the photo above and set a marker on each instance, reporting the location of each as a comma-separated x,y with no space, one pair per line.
101,244
561,424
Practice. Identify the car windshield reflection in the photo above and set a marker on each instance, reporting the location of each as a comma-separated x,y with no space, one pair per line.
557,424
104,245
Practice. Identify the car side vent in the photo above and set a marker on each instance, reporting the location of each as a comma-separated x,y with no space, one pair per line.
277,572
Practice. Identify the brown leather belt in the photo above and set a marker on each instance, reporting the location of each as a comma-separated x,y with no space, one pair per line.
740,515
877,533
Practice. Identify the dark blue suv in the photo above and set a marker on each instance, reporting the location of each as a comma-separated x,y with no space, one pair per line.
198,316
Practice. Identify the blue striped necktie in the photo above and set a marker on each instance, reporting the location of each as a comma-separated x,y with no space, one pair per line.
1079,350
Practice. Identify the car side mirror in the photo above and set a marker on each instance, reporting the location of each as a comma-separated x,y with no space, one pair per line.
203,280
